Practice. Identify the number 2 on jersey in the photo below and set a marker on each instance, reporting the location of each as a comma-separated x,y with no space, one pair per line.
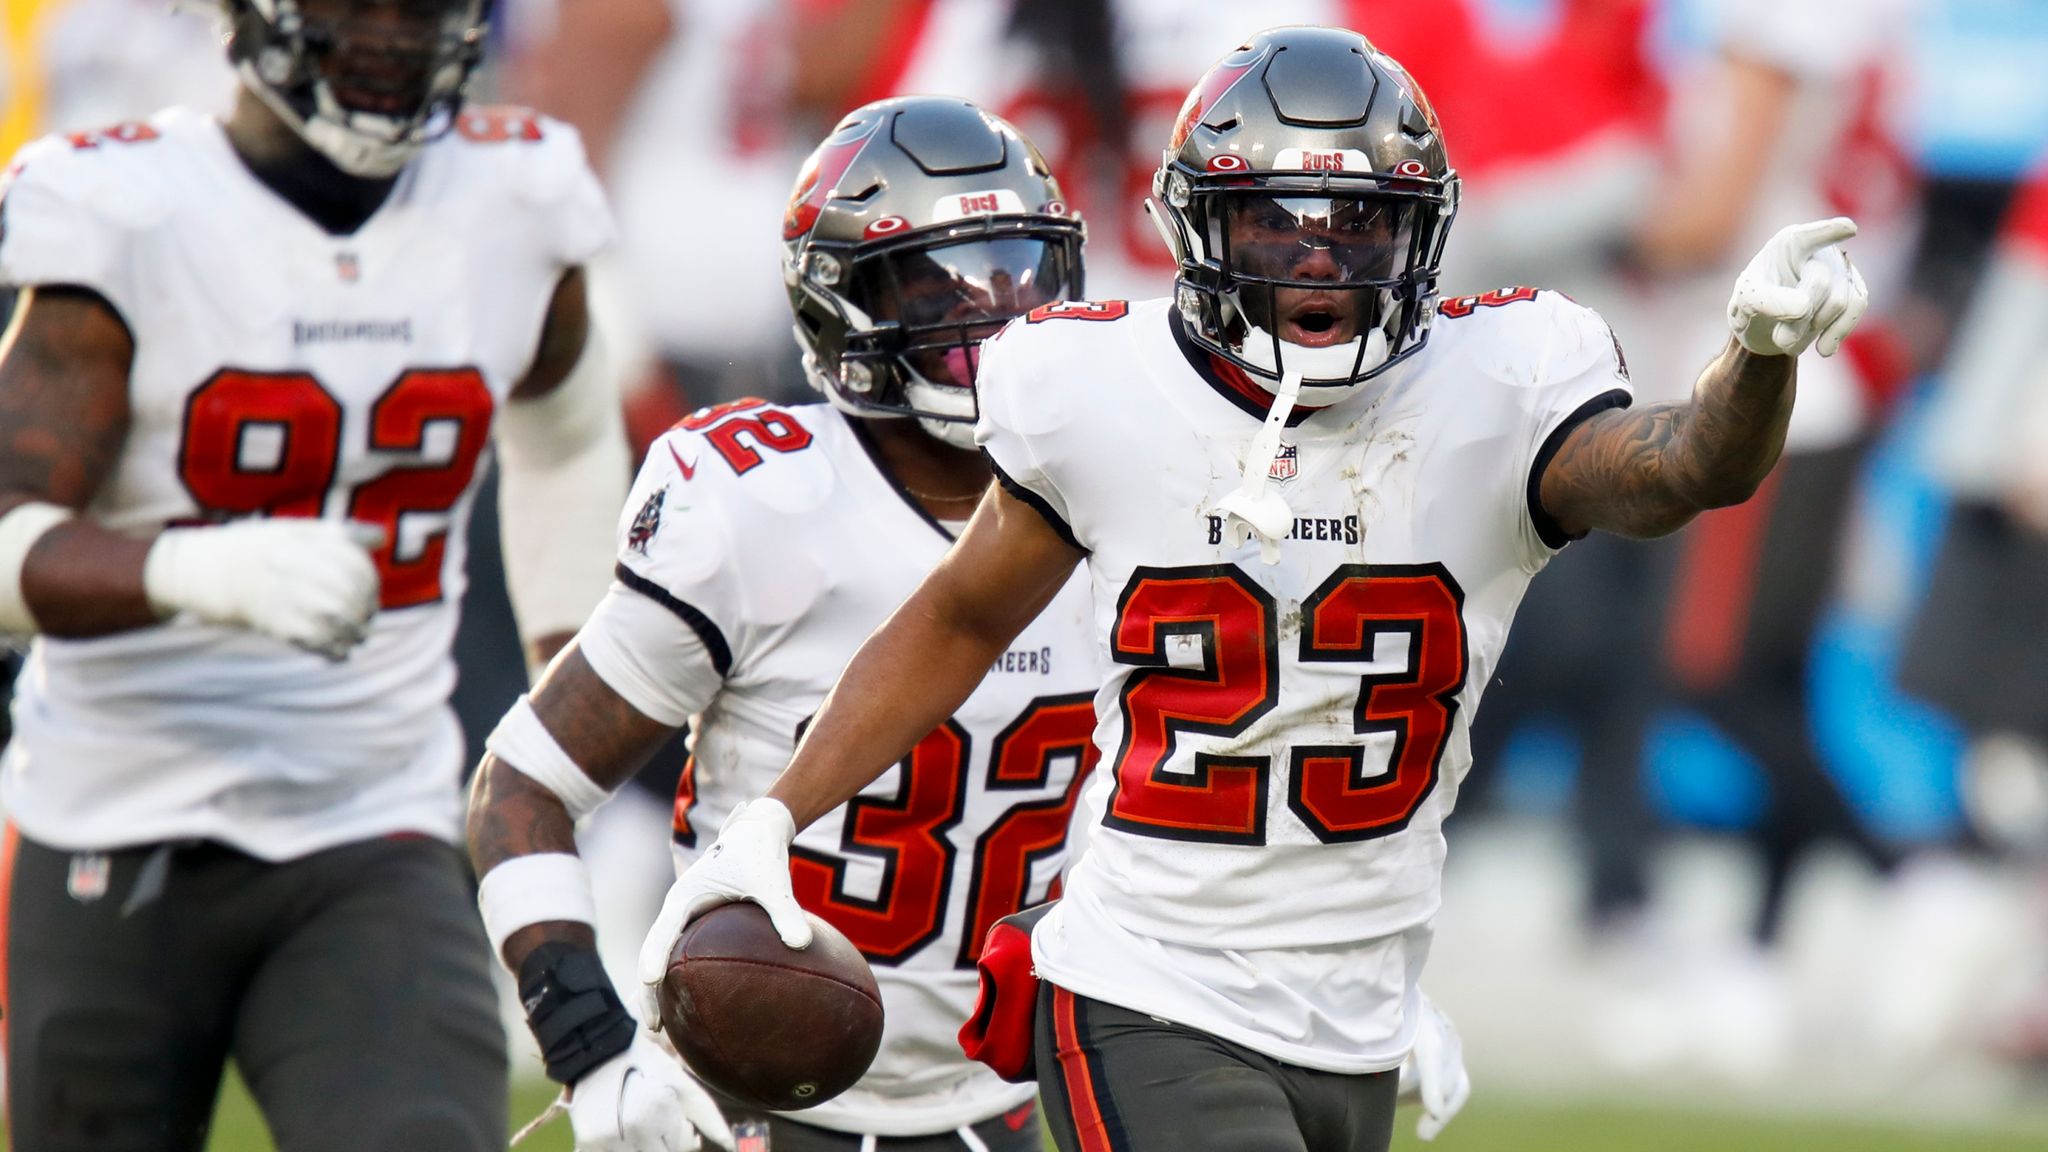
907,832
1232,623
270,443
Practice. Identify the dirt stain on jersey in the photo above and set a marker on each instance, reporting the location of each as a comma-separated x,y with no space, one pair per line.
1290,620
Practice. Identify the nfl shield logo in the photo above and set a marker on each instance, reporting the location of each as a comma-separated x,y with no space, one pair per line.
88,879
346,267
1285,464
751,1136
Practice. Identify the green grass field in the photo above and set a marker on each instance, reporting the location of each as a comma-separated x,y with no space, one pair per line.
1488,1125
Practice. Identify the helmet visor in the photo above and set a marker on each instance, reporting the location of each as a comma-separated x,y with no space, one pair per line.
949,297
1318,240
1314,270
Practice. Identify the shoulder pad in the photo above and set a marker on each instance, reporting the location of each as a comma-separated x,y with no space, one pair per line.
535,164
1526,336
539,158
1067,328
755,454
1096,310
1035,372
107,173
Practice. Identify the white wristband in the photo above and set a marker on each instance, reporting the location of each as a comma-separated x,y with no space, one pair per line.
535,889
23,525
522,741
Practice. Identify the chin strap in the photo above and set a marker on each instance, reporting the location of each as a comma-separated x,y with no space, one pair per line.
1254,508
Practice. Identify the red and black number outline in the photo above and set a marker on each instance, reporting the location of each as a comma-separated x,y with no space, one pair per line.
1079,310
399,420
1021,757
1327,786
1459,307
723,425
930,799
684,832
1224,799
222,410
126,132
498,124
220,413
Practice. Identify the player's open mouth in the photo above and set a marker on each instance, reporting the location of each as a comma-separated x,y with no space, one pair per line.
1316,323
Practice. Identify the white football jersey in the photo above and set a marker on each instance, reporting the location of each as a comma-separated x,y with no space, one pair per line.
759,549
280,370
1281,742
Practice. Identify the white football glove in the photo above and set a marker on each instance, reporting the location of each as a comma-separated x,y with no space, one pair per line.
749,861
642,1100
1434,1072
1799,289
309,583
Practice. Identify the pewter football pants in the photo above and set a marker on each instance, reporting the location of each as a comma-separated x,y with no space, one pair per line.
1113,1080
352,988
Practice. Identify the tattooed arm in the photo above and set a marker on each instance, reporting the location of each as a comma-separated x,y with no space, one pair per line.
1648,471
512,815
63,419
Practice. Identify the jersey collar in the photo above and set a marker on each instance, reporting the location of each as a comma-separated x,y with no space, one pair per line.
1229,381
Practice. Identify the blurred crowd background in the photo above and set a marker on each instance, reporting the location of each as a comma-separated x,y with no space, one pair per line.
1760,810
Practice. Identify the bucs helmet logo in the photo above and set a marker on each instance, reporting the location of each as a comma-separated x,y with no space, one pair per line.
820,177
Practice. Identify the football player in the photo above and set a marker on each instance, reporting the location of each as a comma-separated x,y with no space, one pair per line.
244,406
758,548
1309,492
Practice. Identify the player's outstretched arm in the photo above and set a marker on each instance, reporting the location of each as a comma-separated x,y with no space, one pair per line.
63,421
557,755
1648,471
906,680
925,660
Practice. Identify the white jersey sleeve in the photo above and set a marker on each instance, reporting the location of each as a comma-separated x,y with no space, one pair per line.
1012,416
663,637
74,210
554,190
1578,371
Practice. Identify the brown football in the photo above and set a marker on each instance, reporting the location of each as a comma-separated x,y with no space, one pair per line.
770,1026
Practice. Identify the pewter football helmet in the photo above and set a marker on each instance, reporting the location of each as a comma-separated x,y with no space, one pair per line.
919,228
1306,195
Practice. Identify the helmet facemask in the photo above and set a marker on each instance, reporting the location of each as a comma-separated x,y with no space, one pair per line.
1330,277
930,301
367,83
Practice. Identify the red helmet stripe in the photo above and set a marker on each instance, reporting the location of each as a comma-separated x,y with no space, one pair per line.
820,177
1212,88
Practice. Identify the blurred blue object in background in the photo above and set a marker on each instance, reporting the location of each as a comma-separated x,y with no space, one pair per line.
1981,106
